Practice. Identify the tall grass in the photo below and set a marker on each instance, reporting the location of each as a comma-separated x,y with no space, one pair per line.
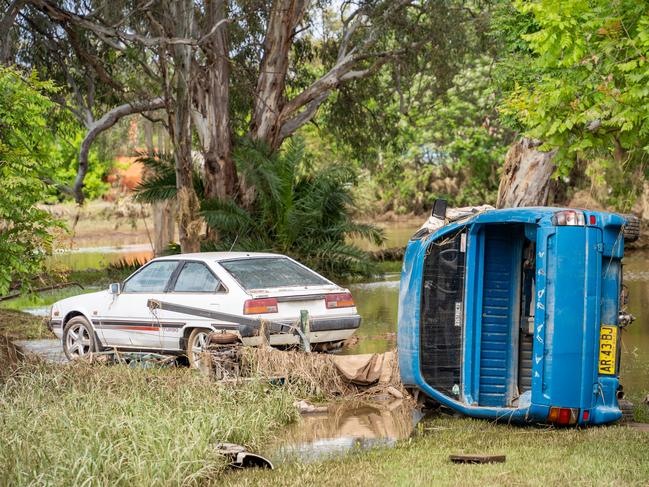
100,425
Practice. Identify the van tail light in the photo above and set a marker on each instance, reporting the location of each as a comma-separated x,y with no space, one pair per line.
563,416
260,306
339,300
569,218
586,415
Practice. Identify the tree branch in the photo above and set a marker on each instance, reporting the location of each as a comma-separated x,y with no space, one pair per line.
109,119
106,33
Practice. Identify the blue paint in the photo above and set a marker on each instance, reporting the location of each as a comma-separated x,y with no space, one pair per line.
577,278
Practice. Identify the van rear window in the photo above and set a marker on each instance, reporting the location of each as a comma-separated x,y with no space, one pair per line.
271,272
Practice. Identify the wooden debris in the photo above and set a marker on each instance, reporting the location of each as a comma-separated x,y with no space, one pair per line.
305,407
394,392
477,458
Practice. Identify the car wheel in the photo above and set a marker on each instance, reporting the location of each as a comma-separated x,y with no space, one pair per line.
78,338
196,344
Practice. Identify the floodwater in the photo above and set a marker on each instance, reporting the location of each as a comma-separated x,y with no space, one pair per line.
343,430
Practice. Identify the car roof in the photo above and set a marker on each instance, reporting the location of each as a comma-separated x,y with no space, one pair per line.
218,256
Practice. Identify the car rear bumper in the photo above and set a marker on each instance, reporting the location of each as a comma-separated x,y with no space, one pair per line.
335,323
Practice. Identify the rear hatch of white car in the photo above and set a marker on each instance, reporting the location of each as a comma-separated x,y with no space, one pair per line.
280,288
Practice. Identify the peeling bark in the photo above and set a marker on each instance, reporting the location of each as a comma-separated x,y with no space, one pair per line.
189,222
526,176
220,172
271,83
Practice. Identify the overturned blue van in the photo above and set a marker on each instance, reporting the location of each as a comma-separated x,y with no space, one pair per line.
515,314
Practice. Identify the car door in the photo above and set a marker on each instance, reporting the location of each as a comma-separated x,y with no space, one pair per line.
127,321
195,285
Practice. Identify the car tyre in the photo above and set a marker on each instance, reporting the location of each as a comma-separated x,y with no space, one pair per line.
196,344
78,338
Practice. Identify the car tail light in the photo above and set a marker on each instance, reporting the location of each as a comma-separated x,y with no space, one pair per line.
569,218
592,220
260,306
339,300
586,416
563,416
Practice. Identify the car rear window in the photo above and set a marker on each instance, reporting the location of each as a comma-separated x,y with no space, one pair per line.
268,272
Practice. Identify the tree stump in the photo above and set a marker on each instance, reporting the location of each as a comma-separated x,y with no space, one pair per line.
526,176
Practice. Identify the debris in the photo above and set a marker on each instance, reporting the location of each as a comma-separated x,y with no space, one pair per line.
241,458
366,369
477,458
395,392
305,407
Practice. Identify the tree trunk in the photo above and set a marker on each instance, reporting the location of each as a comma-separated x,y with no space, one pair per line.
526,176
6,21
220,173
270,93
189,223
163,223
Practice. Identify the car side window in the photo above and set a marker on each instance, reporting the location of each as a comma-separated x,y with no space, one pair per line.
151,278
195,277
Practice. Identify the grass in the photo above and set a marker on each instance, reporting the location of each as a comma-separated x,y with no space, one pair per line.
101,425
614,455
17,325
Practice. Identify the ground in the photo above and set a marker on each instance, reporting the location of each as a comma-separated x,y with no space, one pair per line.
614,455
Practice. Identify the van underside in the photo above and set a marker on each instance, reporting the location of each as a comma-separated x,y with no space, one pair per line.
506,314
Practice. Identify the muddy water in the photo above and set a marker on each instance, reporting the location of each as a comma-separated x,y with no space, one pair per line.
342,430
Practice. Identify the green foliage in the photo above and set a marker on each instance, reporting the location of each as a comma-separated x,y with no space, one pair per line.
451,146
584,87
297,211
307,216
25,160
65,152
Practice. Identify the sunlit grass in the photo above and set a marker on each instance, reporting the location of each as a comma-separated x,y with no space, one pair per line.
100,425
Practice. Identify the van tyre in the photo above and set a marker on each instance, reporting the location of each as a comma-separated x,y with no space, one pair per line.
78,338
631,228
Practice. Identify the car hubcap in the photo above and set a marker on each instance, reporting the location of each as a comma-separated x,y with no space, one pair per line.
199,345
78,340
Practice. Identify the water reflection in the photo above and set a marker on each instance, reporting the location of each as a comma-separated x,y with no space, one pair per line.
344,429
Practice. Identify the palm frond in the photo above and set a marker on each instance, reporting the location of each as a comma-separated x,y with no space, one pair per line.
160,187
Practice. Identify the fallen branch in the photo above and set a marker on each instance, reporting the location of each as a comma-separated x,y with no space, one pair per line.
41,289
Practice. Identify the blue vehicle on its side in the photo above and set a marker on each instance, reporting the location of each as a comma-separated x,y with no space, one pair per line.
515,314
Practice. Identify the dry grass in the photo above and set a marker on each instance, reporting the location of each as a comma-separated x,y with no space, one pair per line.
313,375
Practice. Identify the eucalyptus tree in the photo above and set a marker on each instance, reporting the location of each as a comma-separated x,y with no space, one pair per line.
232,70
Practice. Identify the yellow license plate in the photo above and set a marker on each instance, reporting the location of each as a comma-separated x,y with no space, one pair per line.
607,349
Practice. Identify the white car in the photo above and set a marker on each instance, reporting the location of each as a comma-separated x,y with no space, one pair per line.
252,285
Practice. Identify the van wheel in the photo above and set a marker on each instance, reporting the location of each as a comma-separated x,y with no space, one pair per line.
78,338
196,344
631,228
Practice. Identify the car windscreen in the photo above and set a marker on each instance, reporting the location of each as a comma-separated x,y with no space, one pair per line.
270,272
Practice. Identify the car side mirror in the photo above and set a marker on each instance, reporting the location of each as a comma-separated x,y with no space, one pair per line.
114,288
